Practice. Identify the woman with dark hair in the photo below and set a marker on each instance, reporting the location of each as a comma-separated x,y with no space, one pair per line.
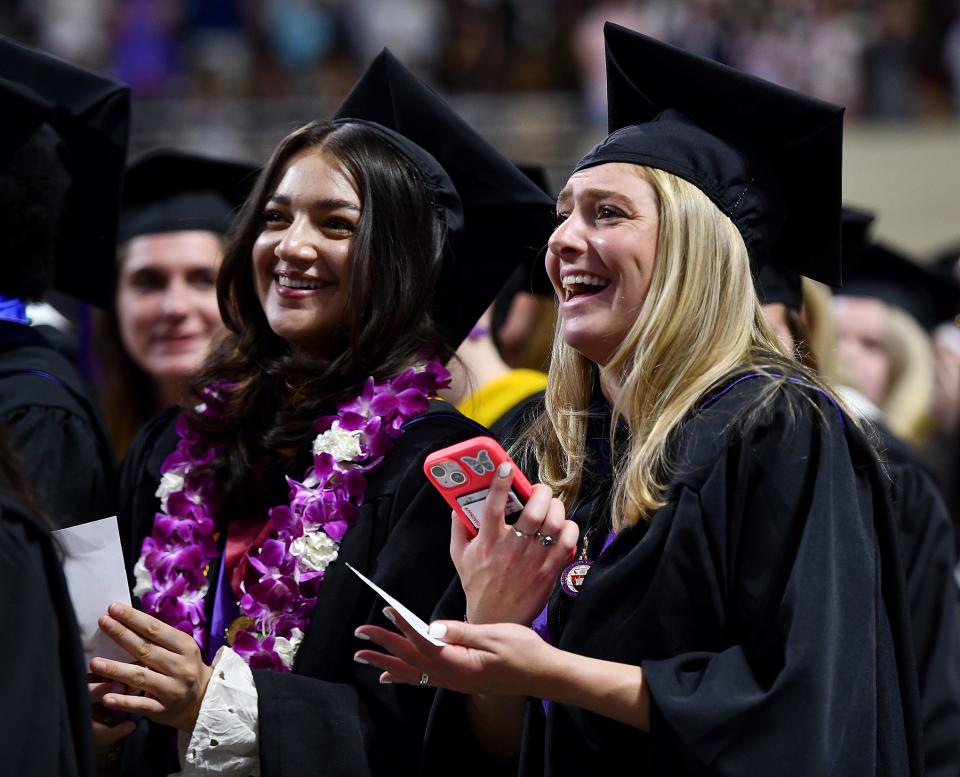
343,288
736,604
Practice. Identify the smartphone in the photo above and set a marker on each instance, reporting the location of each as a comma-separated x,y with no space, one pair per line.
462,474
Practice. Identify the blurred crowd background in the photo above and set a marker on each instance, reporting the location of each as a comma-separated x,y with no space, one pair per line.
881,58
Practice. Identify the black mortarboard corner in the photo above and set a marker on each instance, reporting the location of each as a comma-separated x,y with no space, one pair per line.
173,191
91,116
768,157
503,212
885,273
777,285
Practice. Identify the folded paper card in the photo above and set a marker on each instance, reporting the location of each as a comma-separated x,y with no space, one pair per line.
93,566
416,623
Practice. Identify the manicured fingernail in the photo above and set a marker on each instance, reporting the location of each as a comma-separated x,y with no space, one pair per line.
504,470
115,609
437,630
360,635
385,680
389,616
97,665
360,660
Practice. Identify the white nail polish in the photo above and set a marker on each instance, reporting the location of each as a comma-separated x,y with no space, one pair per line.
389,616
503,471
437,630
385,681
360,635
360,660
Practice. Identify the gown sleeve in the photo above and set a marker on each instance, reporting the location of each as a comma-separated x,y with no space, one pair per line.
809,677
332,710
926,539
64,462
44,706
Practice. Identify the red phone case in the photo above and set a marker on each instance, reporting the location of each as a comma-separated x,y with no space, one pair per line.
463,472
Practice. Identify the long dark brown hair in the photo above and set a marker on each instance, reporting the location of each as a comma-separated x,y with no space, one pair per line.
396,258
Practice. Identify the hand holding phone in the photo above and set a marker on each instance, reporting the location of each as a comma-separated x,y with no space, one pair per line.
462,473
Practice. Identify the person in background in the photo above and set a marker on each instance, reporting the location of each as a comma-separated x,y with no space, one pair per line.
359,262
925,535
485,388
486,382
882,316
177,210
736,604
44,705
61,168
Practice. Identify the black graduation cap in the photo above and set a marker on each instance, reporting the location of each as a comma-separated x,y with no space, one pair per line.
855,230
776,284
91,116
25,112
768,157
886,273
172,191
495,211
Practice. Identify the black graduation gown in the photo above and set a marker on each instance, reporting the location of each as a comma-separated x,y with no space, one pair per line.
514,421
55,428
764,602
926,545
331,715
44,706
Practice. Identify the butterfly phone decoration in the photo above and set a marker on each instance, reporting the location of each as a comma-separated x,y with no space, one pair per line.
463,473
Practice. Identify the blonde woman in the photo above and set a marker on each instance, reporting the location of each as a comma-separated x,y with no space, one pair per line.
734,605
886,356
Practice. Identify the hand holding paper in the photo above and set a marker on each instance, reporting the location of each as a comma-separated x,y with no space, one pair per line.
410,617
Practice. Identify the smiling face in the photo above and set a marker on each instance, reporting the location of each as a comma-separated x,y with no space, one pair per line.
303,255
167,302
601,258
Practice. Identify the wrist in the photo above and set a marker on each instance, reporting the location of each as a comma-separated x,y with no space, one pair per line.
190,721
554,669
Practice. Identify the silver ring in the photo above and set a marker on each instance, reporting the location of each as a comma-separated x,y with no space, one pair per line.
524,534
546,540
424,679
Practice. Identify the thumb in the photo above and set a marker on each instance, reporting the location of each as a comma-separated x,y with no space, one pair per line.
457,633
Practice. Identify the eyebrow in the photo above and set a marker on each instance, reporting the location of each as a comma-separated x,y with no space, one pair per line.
595,194
323,204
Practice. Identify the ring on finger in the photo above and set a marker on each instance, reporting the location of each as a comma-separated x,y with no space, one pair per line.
519,533
545,539
424,679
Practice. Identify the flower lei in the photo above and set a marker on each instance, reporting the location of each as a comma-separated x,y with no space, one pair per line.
290,566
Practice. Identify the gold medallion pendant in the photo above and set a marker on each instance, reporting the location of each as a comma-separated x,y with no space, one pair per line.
238,625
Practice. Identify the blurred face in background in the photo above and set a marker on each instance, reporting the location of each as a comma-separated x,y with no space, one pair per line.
861,325
167,302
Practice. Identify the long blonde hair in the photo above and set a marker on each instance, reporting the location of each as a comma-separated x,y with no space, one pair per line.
908,404
701,323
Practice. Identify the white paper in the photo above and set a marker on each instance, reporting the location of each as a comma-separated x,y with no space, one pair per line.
418,625
93,566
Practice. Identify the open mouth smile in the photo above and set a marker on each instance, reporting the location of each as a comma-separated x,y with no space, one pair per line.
582,284
290,285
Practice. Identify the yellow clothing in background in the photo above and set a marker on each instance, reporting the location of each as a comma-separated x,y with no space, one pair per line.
491,401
